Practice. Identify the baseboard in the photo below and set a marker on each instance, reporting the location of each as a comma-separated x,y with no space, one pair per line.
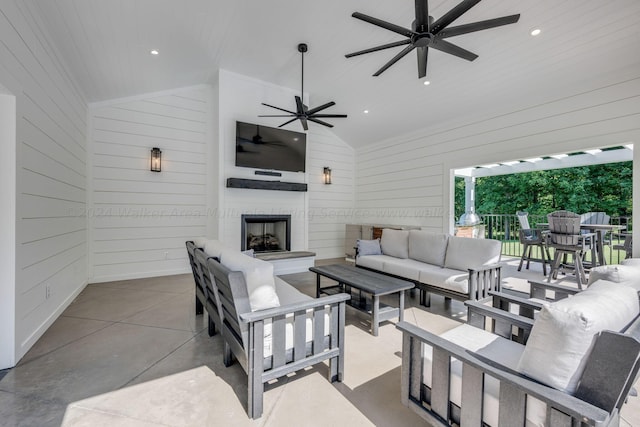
26,345
141,275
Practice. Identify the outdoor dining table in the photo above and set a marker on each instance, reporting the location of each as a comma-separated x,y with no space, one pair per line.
596,229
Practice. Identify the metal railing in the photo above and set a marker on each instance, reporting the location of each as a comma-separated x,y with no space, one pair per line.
506,228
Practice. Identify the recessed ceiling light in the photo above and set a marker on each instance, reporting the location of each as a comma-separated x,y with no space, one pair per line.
534,159
427,82
535,32
596,151
560,156
629,146
154,52
515,162
366,111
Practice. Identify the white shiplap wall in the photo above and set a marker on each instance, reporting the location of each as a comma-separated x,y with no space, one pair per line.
139,220
318,215
407,180
51,231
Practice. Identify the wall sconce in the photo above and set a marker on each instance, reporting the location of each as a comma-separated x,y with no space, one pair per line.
156,159
327,175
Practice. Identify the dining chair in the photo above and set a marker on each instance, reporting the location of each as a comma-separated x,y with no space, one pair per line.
626,246
566,238
597,218
530,238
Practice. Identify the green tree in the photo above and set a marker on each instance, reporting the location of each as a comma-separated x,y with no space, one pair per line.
606,188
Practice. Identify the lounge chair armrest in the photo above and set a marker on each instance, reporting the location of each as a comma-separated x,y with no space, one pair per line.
558,400
503,300
269,313
478,313
538,290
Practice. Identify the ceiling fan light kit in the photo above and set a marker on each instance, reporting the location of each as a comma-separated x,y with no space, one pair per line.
303,113
427,32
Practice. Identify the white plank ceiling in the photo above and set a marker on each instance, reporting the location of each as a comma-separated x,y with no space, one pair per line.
106,45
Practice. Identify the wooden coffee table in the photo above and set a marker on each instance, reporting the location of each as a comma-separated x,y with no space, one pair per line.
364,282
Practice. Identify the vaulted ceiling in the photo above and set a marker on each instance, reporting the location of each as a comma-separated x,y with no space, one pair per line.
106,45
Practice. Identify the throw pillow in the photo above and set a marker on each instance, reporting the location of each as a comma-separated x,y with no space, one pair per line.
395,243
214,248
258,276
563,332
627,274
369,247
249,252
199,242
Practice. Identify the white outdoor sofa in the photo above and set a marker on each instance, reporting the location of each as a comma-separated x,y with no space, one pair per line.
576,368
455,267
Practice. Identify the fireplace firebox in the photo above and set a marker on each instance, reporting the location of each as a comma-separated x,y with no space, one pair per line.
266,233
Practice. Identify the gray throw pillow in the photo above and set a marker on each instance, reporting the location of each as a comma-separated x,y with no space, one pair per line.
369,247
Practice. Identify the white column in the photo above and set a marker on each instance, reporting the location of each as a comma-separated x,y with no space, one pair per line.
636,201
469,194
7,230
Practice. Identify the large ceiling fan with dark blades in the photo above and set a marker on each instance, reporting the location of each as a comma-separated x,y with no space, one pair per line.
303,113
428,33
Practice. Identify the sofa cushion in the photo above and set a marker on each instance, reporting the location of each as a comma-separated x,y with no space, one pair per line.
428,247
502,351
288,294
214,248
407,268
627,274
199,242
564,330
464,253
631,261
375,262
368,247
258,275
395,243
446,278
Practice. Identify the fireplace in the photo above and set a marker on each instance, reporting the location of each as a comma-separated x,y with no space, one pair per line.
266,233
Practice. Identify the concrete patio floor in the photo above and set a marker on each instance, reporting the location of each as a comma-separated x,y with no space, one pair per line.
133,353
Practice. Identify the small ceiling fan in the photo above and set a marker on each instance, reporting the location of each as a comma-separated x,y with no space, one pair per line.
426,32
303,113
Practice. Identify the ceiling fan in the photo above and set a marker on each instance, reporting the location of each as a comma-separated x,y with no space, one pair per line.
303,113
428,33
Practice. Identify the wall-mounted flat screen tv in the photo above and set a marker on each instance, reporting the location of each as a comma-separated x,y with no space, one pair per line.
263,147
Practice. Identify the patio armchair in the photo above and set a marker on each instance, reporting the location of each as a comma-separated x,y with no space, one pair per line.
566,238
296,332
470,376
530,238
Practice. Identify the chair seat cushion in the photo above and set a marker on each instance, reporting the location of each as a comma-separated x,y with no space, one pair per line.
493,347
288,294
563,332
407,268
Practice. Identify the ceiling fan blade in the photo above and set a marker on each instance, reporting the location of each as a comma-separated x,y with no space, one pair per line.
377,48
278,115
423,53
303,120
286,123
452,49
394,60
422,16
320,108
478,26
327,116
384,24
320,122
452,15
278,108
300,106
